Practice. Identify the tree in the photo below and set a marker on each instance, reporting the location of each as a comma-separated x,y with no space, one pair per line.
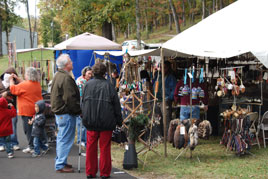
203,9
175,16
48,33
29,22
8,17
1,48
138,33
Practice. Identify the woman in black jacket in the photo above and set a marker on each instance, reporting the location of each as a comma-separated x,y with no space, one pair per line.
101,113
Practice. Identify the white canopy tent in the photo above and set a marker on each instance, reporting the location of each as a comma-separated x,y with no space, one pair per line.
148,52
237,29
87,41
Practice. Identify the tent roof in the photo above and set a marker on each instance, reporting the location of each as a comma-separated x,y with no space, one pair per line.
148,52
133,53
32,49
88,41
236,29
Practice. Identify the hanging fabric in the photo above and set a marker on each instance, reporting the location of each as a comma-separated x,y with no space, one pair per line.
201,78
185,77
193,75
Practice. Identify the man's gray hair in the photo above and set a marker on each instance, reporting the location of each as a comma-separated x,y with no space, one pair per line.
32,74
62,60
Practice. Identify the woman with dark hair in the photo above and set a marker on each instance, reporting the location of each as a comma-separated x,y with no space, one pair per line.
28,92
81,81
101,113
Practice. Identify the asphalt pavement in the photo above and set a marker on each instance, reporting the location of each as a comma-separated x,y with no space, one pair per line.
23,166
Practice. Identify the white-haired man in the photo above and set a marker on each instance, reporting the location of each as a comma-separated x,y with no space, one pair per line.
65,103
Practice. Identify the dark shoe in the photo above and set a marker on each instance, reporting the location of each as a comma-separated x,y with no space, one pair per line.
90,176
65,170
68,165
103,177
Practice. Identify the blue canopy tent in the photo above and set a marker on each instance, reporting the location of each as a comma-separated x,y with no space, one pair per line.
81,48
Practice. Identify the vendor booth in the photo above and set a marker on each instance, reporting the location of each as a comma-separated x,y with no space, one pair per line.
231,47
81,47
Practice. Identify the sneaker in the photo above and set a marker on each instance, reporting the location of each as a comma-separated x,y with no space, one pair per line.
83,144
28,150
34,155
16,147
2,148
83,154
10,155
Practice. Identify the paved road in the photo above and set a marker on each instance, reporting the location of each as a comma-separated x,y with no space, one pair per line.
23,166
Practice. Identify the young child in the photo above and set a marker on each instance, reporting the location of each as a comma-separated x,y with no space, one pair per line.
38,123
7,112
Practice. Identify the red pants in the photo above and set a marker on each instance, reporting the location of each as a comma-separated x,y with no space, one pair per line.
105,163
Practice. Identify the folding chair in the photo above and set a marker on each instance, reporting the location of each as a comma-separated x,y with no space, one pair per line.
253,116
264,127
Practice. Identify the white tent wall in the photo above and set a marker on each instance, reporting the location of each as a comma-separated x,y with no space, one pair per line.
237,29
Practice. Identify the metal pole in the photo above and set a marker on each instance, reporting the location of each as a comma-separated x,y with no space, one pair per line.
191,102
164,103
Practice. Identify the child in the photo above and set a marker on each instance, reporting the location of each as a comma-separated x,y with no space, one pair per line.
38,130
7,112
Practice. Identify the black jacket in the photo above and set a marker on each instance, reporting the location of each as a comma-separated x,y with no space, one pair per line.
65,97
100,105
39,120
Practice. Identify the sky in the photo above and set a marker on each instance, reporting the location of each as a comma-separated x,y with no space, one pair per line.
21,9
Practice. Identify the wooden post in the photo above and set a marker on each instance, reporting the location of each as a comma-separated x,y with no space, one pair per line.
164,103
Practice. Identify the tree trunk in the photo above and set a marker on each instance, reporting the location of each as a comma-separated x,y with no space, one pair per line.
6,27
183,14
128,29
1,48
113,32
146,21
35,24
29,22
190,14
221,4
175,17
203,9
170,19
138,33
107,30
193,13
213,6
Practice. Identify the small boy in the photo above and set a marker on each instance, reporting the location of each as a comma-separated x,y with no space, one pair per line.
38,130
7,112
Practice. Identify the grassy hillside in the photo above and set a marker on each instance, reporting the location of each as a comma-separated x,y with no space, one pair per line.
160,35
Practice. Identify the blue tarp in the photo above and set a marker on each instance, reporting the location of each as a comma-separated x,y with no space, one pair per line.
82,58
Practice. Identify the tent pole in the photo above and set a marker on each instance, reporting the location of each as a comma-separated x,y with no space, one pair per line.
164,103
94,58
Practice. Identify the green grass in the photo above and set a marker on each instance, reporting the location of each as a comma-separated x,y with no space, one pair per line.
29,56
215,162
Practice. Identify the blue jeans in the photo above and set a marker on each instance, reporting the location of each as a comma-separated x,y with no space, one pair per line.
13,137
185,112
38,144
84,131
65,138
7,143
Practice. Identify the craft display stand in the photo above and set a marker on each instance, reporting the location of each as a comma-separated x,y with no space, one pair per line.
249,105
140,103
